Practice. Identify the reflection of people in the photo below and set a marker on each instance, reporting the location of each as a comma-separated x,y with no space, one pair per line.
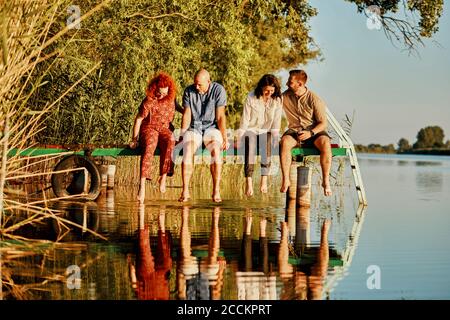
213,266
260,124
309,278
255,282
206,282
203,121
307,120
152,128
187,269
150,276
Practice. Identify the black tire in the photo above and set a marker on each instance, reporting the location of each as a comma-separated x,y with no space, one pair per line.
71,183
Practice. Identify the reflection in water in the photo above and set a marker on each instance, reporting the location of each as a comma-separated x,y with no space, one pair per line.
428,163
185,252
429,181
150,275
206,282
255,281
310,272
84,214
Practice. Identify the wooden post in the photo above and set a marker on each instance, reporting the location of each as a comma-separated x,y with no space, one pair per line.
303,229
103,168
303,186
111,173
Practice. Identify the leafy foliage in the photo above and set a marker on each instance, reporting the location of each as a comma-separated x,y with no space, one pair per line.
403,145
407,31
237,41
430,137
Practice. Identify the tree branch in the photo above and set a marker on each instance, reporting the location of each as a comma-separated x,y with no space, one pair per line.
138,14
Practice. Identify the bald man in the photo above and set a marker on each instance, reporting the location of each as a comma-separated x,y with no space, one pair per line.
203,122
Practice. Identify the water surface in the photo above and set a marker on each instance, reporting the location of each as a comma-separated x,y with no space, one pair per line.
259,248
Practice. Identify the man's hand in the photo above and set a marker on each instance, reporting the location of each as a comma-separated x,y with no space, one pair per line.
304,135
225,144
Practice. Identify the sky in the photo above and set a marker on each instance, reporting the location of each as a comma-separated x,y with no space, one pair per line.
393,94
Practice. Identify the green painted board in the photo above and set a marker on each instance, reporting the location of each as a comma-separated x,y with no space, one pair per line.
125,151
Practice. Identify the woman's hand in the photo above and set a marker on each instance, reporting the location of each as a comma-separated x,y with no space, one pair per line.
133,144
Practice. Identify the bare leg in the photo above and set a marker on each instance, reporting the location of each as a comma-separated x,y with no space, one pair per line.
287,144
249,186
141,192
263,184
187,168
216,169
262,227
323,144
250,144
162,183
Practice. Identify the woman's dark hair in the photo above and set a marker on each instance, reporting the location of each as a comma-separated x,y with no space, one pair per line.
268,80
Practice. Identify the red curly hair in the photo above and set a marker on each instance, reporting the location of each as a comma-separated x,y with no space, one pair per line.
162,80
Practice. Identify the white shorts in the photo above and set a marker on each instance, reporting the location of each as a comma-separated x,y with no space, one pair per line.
210,135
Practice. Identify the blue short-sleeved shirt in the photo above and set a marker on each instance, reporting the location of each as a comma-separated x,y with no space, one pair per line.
203,106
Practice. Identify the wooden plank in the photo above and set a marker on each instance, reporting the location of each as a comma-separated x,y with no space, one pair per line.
342,152
125,151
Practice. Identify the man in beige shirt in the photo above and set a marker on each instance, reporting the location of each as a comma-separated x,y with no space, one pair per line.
307,121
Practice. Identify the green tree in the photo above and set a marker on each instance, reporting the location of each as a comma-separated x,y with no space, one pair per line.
430,137
236,40
403,145
405,29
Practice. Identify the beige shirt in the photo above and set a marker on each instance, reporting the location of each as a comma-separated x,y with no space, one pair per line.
259,116
303,112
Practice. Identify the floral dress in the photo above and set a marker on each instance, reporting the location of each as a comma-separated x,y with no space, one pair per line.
155,132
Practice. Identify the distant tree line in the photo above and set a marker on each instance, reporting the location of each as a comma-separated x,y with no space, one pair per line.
430,140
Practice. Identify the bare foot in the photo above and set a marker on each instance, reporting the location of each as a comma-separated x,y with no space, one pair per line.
162,183
248,187
326,188
185,196
285,184
216,196
263,184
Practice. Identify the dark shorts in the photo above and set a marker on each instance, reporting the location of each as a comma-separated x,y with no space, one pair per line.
308,143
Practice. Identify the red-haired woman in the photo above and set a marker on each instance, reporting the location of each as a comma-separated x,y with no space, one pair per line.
151,129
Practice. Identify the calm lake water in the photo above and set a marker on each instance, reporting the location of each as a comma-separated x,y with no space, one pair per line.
259,248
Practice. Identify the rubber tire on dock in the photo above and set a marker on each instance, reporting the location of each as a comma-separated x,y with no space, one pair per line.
71,162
